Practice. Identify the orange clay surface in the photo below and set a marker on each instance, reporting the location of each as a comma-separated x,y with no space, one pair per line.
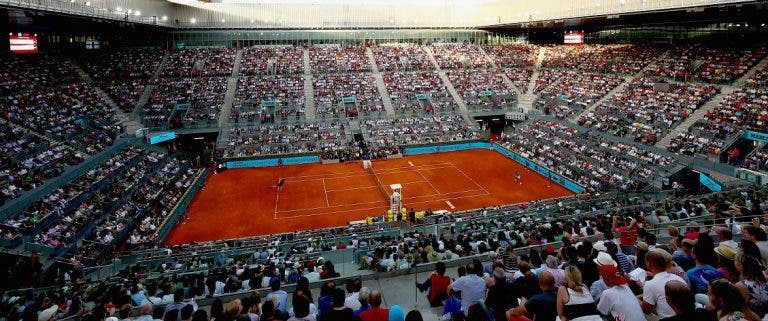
245,202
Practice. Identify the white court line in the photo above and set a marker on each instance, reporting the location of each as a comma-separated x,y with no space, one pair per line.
470,178
428,182
372,208
325,192
277,199
385,201
368,187
409,163
384,170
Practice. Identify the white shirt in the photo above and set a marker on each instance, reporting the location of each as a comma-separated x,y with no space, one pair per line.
621,304
653,293
353,301
472,289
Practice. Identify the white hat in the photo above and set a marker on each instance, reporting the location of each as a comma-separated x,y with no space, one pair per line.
600,246
48,313
604,258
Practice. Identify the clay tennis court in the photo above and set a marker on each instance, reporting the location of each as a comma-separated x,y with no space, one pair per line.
245,202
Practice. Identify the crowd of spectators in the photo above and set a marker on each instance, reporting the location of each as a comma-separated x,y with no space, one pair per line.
74,113
520,78
286,91
121,63
404,89
611,58
401,56
356,151
459,56
418,130
285,138
338,59
330,91
77,204
193,62
270,60
516,55
648,109
125,92
566,92
29,72
205,97
482,89
759,79
27,160
741,110
707,63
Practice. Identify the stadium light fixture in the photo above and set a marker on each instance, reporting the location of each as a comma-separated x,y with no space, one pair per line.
137,13
193,21
165,18
87,3
71,1
252,21
223,20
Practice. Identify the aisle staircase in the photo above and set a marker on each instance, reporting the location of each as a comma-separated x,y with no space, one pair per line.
592,107
527,98
385,98
759,66
127,119
229,96
309,98
695,116
432,57
307,63
456,97
371,60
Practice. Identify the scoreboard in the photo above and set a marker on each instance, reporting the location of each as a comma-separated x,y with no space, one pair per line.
23,43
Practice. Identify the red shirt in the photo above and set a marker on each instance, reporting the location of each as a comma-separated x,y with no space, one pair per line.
627,235
375,314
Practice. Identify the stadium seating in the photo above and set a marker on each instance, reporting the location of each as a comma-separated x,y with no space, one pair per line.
285,138
335,59
759,79
330,91
512,55
401,56
418,130
200,62
459,56
22,73
286,91
272,60
567,92
618,58
204,97
707,63
125,92
740,110
482,89
121,63
405,87
647,109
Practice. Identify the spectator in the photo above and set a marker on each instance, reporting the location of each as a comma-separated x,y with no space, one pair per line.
753,285
202,315
364,305
702,273
353,293
539,307
437,283
376,313
301,310
501,296
414,315
279,294
627,235
396,313
726,300
618,301
574,300
653,299
681,300
471,286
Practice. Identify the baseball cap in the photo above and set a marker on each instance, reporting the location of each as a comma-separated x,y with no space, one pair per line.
611,275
